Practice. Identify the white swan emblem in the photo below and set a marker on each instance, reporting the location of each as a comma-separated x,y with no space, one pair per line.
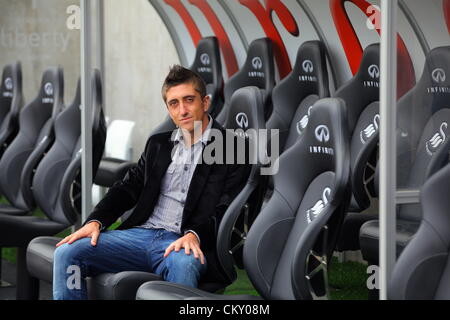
301,125
437,139
313,212
370,130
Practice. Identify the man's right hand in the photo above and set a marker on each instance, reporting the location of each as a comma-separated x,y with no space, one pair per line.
90,230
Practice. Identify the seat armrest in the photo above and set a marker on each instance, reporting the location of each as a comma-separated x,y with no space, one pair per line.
407,196
118,286
111,170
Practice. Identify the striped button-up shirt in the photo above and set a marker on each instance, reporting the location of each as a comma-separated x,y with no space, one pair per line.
168,211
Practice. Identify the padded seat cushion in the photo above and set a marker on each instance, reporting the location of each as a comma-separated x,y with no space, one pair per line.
369,238
162,290
8,209
118,286
124,285
18,231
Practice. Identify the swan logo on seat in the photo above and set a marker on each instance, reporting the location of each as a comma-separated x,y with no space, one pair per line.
301,125
257,65
204,58
437,139
308,66
8,86
48,89
317,209
242,120
438,75
374,71
370,130
322,133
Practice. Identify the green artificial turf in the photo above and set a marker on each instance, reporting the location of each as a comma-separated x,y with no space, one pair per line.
347,281
242,285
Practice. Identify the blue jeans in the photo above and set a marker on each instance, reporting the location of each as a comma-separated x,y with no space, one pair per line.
135,249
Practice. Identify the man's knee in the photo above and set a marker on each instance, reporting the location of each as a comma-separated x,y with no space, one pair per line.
70,252
181,261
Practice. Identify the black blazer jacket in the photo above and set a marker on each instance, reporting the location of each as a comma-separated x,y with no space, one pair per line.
212,188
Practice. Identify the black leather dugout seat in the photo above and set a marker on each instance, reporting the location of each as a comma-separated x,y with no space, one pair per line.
295,95
56,189
285,254
361,94
422,147
11,101
258,71
292,100
422,271
35,136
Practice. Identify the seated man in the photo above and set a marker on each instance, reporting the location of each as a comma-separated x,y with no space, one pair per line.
179,199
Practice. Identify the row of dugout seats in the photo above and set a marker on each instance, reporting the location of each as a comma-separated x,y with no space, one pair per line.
290,116
40,165
325,179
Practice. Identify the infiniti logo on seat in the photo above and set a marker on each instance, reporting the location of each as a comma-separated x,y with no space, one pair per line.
307,66
8,84
322,133
438,75
48,88
257,63
374,71
204,58
242,120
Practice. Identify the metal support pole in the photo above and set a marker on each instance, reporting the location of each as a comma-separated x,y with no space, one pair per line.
86,108
388,94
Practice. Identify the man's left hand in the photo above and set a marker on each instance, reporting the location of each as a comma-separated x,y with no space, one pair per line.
189,242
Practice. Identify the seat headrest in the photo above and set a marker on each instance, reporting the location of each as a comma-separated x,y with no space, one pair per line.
310,69
258,68
11,82
52,89
435,80
363,88
369,68
207,61
246,110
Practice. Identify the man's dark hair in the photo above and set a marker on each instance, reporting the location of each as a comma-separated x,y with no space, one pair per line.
180,75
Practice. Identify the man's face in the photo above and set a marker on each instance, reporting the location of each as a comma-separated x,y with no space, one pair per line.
185,106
